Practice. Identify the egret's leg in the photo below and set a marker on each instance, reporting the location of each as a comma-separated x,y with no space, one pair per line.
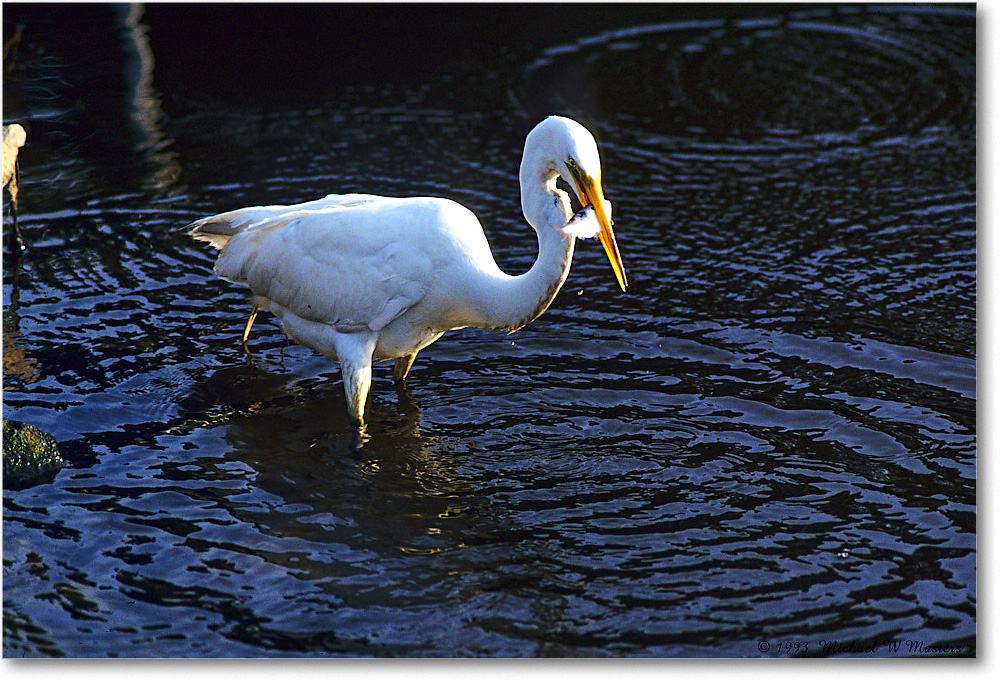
357,382
402,366
354,351
12,190
246,329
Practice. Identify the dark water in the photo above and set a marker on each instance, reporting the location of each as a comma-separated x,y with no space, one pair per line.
767,447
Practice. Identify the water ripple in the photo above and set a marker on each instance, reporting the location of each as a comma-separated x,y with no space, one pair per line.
771,435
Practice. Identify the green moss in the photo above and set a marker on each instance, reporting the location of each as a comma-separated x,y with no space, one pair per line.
28,453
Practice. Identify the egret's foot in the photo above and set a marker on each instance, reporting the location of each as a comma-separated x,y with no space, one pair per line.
250,357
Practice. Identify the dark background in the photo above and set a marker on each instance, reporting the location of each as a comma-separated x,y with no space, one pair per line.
308,52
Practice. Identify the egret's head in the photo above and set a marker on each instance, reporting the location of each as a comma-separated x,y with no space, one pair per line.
574,152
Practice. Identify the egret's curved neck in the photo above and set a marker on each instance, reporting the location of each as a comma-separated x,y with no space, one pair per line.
516,301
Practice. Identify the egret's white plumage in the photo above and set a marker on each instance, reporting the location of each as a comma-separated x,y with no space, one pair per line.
363,278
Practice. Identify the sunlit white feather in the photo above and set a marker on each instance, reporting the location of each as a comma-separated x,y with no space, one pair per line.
362,278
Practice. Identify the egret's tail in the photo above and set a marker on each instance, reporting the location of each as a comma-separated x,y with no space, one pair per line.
218,229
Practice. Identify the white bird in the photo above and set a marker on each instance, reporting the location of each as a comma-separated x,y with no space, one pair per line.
363,278
14,138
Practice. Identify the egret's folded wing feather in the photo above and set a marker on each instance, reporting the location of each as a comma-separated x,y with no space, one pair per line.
353,265
217,230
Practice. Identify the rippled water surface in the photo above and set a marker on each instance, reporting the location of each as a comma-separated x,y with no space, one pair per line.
767,447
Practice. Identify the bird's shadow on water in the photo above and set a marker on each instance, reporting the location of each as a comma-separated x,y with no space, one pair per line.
297,437
248,391
392,497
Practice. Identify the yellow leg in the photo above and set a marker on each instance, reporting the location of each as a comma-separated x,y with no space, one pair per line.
402,366
246,329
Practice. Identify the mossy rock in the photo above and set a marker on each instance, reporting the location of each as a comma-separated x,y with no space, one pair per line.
29,454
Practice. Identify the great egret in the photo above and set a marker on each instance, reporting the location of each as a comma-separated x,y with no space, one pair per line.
363,278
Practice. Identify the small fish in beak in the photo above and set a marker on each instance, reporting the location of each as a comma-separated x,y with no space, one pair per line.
585,225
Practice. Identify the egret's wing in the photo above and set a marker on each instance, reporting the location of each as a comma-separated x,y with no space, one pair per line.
354,265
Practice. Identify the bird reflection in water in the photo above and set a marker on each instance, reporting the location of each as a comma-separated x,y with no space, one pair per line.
314,463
